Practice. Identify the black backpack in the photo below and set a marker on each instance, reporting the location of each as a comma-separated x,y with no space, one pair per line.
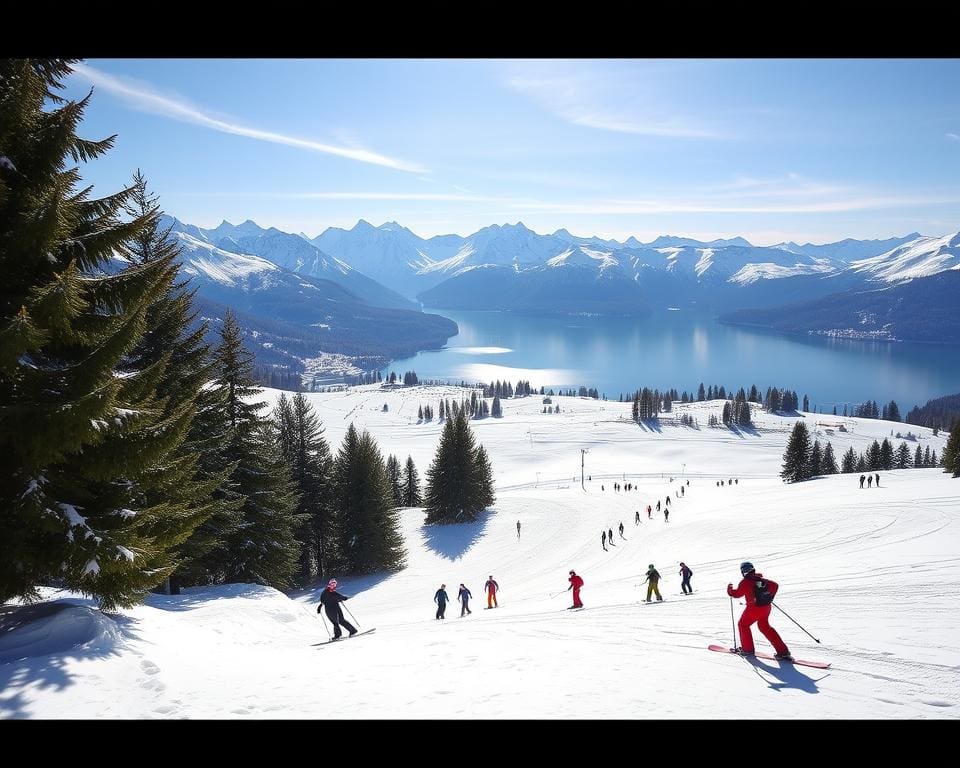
761,594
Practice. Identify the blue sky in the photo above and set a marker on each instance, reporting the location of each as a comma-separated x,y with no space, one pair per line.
805,150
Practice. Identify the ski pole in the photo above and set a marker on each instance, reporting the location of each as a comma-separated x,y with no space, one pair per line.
792,619
733,625
351,615
322,621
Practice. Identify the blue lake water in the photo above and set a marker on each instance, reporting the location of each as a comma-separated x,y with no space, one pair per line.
680,349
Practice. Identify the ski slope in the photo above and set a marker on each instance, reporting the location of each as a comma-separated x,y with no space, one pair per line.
874,574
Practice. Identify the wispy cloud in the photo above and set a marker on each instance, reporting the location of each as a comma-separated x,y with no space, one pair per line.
607,101
146,98
953,136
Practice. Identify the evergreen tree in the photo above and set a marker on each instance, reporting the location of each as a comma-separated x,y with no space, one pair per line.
459,485
951,454
368,523
886,454
873,456
796,457
816,458
861,465
726,417
393,475
918,458
701,393
828,464
85,434
806,403
264,550
849,461
902,459
496,411
411,485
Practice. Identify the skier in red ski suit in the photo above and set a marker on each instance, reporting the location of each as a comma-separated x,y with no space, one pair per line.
575,584
752,587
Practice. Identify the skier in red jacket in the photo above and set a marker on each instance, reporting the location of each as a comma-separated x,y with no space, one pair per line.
575,584
759,593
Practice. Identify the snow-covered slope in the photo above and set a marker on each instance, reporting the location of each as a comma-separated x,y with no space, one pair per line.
843,557
922,257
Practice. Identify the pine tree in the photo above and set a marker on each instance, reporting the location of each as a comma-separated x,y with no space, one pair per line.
951,454
496,411
918,458
368,523
85,435
816,458
873,456
886,454
902,459
796,457
459,486
264,550
411,485
806,403
701,393
726,417
393,476
828,464
849,461
861,465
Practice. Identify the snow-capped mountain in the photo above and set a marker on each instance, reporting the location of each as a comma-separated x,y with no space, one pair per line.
295,306
298,255
845,251
922,257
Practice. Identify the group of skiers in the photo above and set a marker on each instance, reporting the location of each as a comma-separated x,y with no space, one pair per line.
730,481
869,480
464,595
757,591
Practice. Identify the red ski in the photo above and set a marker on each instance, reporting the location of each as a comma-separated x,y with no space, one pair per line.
771,657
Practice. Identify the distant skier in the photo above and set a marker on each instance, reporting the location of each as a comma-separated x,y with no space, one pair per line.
658,505
649,512
518,529
668,502
878,479
464,596
602,488
653,580
869,481
603,540
685,574
759,593
721,483
666,515
637,519
621,531
736,481
862,480
491,587
575,584
610,537
330,601
681,490
688,482
441,598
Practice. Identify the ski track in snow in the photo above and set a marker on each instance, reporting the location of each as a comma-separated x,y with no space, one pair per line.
873,573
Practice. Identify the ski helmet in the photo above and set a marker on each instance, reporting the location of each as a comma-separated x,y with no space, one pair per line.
332,583
746,567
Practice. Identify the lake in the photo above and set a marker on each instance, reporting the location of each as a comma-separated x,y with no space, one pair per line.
680,349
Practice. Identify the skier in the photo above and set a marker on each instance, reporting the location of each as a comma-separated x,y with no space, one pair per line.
621,531
440,598
653,580
688,482
464,596
668,502
649,512
736,480
575,584
658,505
518,529
491,586
681,490
759,594
685,574
862,479
603,540
637,520
610,537
666,515
878,479
330,601
869,481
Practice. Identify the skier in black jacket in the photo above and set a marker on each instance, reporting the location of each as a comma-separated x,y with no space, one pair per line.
330,602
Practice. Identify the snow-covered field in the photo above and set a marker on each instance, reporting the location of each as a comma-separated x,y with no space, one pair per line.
874,574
